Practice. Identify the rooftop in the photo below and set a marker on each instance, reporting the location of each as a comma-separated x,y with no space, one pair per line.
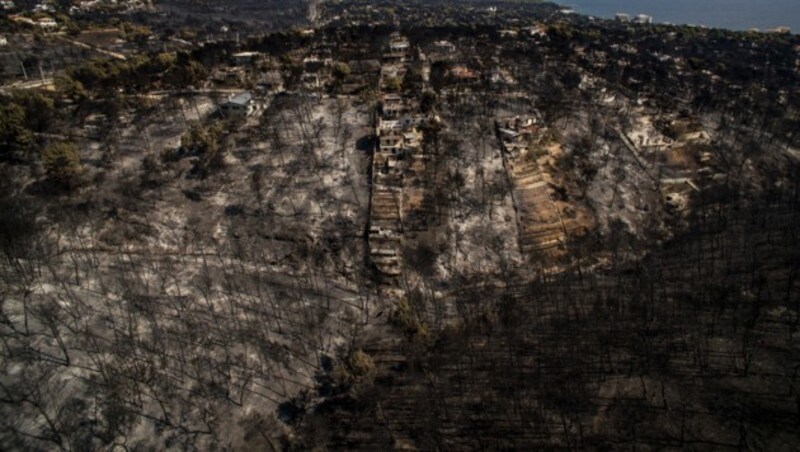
242,98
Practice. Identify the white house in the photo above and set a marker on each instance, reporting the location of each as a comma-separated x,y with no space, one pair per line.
47,23
399,44
241,104
245,58
535,30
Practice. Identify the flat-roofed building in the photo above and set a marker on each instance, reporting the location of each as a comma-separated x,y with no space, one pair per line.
241,104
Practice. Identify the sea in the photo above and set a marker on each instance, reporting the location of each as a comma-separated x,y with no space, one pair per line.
729,14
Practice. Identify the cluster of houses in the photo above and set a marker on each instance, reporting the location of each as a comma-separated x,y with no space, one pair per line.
239,105
245,67
44,23
39,16
249,68
397,155
638,19
82,6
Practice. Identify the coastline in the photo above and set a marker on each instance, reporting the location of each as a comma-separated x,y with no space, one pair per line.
735,15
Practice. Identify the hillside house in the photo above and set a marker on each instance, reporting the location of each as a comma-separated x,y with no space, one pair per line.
446,47
241,104
47,23
244,58
311,81
441,51
391,141
393,106
398,50
399,44
317,62
463,73
535,30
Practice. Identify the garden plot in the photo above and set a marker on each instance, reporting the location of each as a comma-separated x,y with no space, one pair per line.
544,221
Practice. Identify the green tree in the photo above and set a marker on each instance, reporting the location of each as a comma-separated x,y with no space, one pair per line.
62,164
393,84
405,317
186,72
136,33
358,367
208,143
341,71
16,140
39,109
69,87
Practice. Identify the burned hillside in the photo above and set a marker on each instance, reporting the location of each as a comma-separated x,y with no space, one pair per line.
405,225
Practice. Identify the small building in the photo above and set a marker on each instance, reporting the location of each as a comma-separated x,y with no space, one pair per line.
311,81
3,40
444,46
245,58
780,30
425,70
441,51
535,30
393,105
398,49
46,23
622,17
507,134
399,44
241,104
391,141
412,138
643,19
44,7
317,63
463,73
393,71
